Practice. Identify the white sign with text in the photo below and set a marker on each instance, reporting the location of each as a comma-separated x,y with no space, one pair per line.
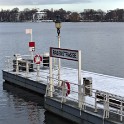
64,53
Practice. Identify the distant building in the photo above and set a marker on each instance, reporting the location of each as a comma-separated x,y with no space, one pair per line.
39,16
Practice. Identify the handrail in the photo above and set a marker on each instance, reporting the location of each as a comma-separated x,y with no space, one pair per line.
108,102
105,104
25,64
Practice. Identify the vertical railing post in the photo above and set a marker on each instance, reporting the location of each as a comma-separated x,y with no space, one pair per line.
104,114
79,81
64,90
38,71
83,97
51,80
47,88
106,106
96,101
121,111
17,66
27,68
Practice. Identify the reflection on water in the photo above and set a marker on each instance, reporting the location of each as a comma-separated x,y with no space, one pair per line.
22,106
26,107
102,52
19,93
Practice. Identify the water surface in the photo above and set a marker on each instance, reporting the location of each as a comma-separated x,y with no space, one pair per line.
102,46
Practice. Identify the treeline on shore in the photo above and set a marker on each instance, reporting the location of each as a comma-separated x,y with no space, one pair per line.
88,15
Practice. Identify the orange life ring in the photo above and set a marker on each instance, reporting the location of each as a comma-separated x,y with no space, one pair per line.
68,87
37,59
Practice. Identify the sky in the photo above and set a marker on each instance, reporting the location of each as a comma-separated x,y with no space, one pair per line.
71,5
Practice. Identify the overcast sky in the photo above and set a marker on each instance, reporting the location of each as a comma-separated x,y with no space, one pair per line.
73,5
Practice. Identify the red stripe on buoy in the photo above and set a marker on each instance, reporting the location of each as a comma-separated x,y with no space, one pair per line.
68,88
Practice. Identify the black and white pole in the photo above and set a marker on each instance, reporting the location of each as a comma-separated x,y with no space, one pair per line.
58,26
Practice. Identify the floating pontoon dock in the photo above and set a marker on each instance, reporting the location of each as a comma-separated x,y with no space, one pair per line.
103,103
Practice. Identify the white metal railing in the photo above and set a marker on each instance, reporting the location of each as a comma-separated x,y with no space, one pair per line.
25,65
109,103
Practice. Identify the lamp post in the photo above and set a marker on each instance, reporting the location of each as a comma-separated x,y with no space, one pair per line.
58,26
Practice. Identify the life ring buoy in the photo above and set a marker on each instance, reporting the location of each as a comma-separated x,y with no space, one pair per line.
67,85
37,59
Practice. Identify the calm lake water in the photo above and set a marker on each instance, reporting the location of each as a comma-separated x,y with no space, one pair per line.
102,46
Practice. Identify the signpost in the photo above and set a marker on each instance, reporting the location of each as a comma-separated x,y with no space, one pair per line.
31,46
31,43
29,31
73,55
64,53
